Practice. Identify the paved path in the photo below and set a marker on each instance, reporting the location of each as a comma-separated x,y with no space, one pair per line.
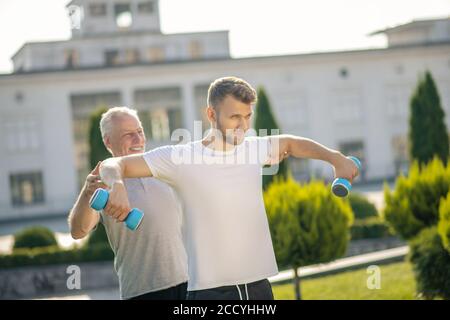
344,263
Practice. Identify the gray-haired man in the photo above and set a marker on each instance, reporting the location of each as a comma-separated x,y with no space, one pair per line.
150,262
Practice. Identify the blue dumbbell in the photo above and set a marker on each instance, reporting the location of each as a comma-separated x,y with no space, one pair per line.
98,202
341,187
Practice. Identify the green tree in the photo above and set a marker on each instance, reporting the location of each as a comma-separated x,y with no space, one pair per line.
97,152
444,221
97,149
414,209
414,204
308,224
264,119
427,130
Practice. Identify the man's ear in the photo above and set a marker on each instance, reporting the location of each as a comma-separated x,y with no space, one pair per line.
107,143
211,114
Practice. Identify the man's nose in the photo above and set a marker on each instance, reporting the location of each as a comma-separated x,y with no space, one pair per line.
137,138
244,124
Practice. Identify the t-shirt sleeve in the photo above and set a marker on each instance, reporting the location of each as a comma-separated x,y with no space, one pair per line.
161,163
261,148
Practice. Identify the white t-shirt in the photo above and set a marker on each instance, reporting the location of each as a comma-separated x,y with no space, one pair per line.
227,233
152,257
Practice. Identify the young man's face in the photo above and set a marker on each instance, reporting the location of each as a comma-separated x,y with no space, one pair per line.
127,136
232,119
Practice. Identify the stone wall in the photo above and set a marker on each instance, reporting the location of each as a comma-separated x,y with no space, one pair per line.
32,282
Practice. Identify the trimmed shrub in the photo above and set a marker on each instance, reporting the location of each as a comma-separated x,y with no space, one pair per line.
34,237
444,221
414,204
370,228
362,208
308,224
54,255
431,265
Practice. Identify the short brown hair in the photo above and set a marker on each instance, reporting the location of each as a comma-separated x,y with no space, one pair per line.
237,88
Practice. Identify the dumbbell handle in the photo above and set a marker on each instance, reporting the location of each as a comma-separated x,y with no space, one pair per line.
341,186
99,200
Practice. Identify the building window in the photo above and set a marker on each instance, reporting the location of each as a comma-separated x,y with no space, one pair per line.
26,188
293,112
71,58
156,54
21,135
160,123
147,7
122,14
131,56
97,9
18,97
347,107
195,49
160,110
397,102
82,106
343,73
112,57
399,145
200,97
157,123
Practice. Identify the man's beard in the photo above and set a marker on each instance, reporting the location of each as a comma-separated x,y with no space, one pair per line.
229,136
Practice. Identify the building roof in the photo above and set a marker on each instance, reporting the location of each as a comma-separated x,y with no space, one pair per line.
115,35
410,25
71,3
175,62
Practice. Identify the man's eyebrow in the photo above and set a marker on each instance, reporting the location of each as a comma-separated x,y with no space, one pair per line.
238,114
134,130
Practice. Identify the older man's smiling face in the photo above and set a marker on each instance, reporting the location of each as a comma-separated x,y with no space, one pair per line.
126,137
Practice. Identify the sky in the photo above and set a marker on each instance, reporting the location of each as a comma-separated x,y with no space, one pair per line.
257,27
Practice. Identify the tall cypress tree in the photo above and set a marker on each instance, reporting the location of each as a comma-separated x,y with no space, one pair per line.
427,130
97,152
264,119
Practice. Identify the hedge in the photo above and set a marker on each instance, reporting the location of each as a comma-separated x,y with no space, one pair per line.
370,228
54,255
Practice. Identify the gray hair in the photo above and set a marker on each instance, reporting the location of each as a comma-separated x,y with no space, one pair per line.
106,122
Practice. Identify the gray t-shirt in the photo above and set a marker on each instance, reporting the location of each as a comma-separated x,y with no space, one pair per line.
153,257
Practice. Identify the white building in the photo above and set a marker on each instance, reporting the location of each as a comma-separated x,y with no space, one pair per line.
354,101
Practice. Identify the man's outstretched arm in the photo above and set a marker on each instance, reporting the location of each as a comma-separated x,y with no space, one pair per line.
289,145
112,173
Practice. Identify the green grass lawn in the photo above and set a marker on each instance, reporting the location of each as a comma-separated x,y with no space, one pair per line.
397,282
